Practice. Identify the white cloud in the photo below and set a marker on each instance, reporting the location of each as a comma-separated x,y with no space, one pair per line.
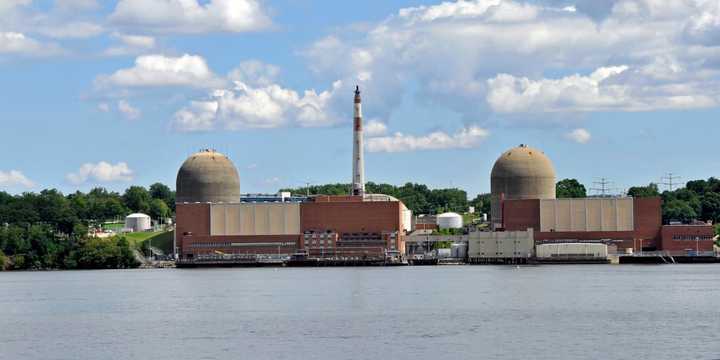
18,43
72,30
375,128
131,44
466,138
264,106
607,88
535,44
75,5
190,16
10,5
101,172
255,73
15,178
128,110
580,136
159,70
138,41
704,26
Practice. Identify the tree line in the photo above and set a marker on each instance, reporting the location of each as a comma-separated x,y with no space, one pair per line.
49,230
417,197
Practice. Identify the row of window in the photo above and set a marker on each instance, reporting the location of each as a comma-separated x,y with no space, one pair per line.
691,237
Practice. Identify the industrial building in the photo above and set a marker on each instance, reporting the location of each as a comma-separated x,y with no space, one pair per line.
216,225
523,197
519,173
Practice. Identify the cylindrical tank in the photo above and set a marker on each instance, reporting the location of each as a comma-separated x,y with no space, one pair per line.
138,222
449,220
520,173
458,250
208,176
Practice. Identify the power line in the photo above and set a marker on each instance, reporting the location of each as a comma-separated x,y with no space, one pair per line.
603,187
669,181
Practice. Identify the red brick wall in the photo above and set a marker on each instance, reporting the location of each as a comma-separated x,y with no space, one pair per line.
188,241
191,218
343,217
520,215
648,221
687,231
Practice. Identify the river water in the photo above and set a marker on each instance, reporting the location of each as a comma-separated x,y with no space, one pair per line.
445,312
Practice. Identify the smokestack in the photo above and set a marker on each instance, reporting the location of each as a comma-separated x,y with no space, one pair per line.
358,180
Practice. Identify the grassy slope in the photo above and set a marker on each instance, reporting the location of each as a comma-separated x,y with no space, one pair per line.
160,240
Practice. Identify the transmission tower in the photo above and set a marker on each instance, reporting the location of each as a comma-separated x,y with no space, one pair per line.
669,181
602,187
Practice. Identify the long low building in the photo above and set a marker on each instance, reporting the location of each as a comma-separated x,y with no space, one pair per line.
325,226
631,224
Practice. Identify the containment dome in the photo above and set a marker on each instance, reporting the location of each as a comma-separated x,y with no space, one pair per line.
208,176
520,173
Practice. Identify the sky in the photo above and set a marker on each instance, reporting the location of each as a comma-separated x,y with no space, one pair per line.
119,93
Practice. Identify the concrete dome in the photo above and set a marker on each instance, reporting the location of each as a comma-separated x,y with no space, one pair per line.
208,176
520,173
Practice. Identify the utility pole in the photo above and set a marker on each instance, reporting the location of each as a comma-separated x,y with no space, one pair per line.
602,188
669,180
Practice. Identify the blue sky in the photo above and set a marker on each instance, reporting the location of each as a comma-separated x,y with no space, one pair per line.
120,92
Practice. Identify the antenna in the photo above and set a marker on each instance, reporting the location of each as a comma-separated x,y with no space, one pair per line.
669,180
602,188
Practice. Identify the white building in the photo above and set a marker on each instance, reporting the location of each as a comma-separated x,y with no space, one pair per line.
138,222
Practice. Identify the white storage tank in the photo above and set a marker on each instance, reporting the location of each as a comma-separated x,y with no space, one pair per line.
138,222
458,250
449,220
442,253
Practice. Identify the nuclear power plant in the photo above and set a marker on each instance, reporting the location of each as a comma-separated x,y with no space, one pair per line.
218,226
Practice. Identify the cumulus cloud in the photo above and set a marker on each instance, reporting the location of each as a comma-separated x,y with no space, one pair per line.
76,5
159,70
246,107
495,53
131,44
466,138
580,136
18,43
14,179
72,30
191,16
375,128
257,100
10,5
607,88
128,110
101,172
255,72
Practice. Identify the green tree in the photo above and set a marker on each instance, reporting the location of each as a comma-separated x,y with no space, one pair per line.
678,210
163,192
644,191
481,203
570,188
137,199
3,261
711,206
158,209
697,186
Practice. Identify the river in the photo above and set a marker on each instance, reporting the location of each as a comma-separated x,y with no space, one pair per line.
442,312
